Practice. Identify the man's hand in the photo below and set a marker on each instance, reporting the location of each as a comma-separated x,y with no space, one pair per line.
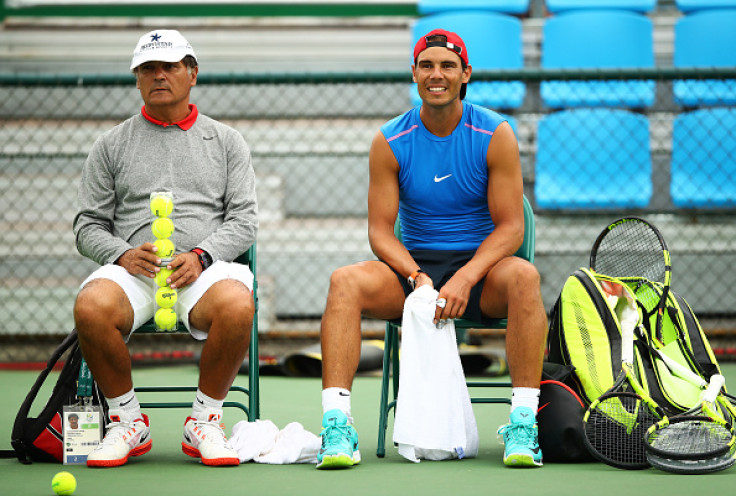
186,269
141,260
455,293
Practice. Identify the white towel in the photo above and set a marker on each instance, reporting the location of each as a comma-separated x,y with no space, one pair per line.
434,416
263,442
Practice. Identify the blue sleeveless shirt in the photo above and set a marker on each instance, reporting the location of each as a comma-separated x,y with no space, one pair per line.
443,182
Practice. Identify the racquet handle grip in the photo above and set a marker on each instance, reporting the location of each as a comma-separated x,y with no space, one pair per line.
716,383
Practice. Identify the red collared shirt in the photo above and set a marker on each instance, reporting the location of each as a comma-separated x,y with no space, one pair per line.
185,124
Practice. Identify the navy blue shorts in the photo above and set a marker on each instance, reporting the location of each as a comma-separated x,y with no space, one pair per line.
441,265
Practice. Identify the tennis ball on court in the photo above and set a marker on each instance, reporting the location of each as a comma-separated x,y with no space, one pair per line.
162,227
64,483
161,277
164,248
166,297
161,206
165,319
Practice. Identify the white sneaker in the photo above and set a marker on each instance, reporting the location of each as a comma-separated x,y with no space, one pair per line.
205,439
126,436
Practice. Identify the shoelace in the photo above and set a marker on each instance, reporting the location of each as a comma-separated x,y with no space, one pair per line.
115,431
520,432
213,431
335,433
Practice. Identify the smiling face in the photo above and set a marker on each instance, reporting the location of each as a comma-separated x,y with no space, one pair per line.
165,88
439,75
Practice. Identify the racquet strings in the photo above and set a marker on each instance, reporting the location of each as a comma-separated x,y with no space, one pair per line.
615,429
631,249
691,438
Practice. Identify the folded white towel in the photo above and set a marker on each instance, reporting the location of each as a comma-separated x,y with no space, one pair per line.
262,442
434,416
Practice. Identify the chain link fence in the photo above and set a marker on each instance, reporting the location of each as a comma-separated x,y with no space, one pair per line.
585,163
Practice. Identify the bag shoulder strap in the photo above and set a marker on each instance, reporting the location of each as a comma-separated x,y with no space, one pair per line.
20,425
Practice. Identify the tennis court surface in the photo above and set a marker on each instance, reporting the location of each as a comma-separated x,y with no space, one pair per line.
166,470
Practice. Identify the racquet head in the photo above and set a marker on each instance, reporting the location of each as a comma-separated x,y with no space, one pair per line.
632,247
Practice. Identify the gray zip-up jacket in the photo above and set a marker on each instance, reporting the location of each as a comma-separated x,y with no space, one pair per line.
207,168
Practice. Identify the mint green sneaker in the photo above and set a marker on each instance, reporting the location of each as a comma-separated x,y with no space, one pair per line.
339,442
520,438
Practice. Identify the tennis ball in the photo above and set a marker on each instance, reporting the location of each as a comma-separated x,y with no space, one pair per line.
165,248
161,206
64,483
162,227
165,319
161,277
166,297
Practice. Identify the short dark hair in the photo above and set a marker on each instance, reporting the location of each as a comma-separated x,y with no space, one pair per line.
190,61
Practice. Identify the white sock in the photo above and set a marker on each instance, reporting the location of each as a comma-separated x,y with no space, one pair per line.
203,402
127,402
523,396
336,398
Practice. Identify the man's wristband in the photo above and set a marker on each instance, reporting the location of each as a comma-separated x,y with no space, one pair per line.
205,260
412,279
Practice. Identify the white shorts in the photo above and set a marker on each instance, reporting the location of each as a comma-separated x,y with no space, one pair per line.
140,290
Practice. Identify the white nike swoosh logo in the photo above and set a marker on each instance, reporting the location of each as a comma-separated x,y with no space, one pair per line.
438,179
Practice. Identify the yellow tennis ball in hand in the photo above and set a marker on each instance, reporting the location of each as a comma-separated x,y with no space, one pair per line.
166,297
165,319
164,248
162,228
64,483
161,277
162,206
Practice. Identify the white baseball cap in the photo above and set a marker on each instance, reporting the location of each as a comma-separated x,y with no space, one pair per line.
161,45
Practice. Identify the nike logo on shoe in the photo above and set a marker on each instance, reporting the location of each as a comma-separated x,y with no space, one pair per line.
439,179
343,394
208,138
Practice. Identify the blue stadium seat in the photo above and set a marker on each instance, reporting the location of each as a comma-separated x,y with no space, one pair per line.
493,42
557,6
705,39
704,159
598,39
693,5
426,7
591,159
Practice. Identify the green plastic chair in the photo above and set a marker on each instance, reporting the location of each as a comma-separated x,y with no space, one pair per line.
391,344
252,411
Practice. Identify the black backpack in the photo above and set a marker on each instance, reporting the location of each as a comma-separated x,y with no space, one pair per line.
40,439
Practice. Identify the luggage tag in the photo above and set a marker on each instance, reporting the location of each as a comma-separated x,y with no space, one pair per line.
82,422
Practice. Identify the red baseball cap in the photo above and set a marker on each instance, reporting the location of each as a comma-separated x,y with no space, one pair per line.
442,38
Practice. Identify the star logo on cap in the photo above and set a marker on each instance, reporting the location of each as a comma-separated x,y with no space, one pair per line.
155,37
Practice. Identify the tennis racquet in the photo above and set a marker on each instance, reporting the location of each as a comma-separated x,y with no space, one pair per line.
697,441
633,248
615,423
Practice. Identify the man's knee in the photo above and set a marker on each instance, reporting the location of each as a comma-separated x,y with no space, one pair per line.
526,275
101,303
232,303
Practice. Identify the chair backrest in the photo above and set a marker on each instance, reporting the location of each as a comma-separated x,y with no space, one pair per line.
590,159
557,6
606,39
493,41
598,39
526,250
704,159
705,39
693,5
425,7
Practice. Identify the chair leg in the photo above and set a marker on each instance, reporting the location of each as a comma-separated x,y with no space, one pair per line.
388,343
254,397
